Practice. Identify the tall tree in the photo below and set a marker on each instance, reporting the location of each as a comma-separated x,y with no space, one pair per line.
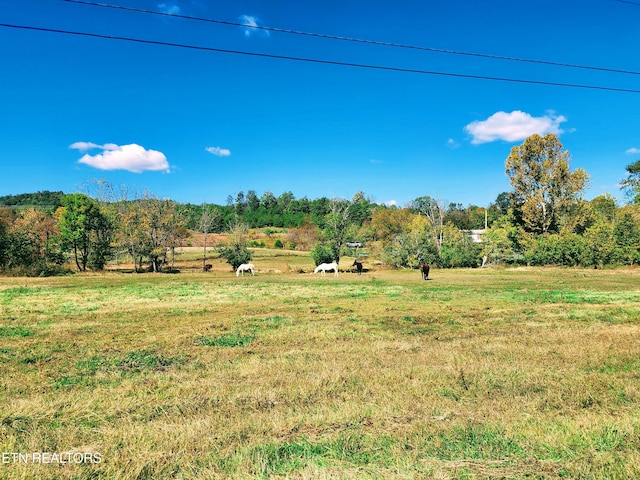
160,222
210,215
337,223
631,184
544,187
434,209
235,250
5,239
252,201
41,227
415,245
84,230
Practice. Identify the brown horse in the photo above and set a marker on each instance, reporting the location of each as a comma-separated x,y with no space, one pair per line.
424,270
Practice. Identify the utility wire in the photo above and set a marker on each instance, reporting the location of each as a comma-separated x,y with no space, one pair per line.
358,40
314,60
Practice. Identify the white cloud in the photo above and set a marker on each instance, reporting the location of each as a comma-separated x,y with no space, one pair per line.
132,158
251,23
513,127
84,146
170,8
391,203
633,151
451,143
219,152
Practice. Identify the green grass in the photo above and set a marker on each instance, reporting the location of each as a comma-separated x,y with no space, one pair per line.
15,331
521,373
231,340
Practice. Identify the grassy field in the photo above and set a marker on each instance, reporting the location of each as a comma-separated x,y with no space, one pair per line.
514,373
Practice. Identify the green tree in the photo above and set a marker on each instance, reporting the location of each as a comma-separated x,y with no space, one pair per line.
499,246
604,207
235,250
410,248
85,231
544,186
252,200
631,184
600,246
337,224
458,249
626,233
502,203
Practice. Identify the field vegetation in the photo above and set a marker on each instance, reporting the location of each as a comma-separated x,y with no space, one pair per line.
127,338
476,373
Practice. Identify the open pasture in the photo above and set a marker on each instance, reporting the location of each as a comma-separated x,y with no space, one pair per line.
515,373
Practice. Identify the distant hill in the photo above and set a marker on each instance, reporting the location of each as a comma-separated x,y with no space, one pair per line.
44,199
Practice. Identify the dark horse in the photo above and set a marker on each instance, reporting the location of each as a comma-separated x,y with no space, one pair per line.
424,270
358,266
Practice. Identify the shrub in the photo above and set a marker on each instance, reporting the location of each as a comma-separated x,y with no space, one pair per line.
556,249
235,255
322,254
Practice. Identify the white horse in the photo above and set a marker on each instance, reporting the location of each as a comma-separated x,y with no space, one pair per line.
245,267
323,267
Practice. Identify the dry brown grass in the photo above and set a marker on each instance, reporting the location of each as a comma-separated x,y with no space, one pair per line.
523,373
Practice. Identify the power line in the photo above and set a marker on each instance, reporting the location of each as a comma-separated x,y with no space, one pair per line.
360,40
315,60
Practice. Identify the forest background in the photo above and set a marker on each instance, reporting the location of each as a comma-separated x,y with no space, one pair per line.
543,221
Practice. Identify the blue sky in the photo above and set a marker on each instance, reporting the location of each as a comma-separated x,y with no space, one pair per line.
198,125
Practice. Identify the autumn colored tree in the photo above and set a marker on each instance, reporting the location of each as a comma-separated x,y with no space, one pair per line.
434,210
159,224
544,186
41,227
6,219
306,235
389,222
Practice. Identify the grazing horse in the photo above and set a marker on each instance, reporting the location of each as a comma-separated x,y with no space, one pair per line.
358,266
208,267
323,267
245,267
424,270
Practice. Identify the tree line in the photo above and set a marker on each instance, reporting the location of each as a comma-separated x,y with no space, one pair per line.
543,220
